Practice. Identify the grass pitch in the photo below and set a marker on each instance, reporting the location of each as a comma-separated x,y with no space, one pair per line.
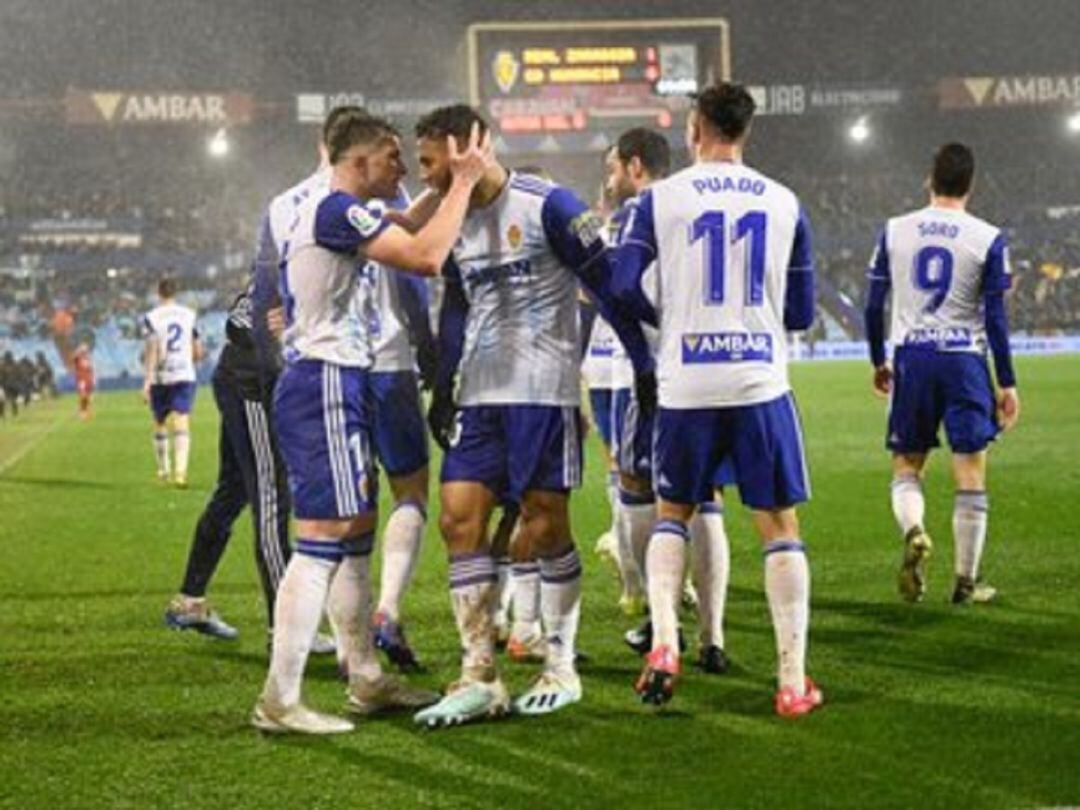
927,705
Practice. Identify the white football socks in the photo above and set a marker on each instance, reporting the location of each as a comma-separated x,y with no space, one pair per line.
787,586
525,586
301,598
665,567
711,566
560,606
349,609
908,504
637,515
181,451
161,451
473,598
970,516
401,541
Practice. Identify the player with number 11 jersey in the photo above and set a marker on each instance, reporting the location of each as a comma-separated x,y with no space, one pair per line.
734,274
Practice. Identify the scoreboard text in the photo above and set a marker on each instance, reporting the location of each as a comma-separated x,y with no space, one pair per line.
556,77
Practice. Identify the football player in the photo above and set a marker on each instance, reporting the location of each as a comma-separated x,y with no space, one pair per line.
731,249
947,272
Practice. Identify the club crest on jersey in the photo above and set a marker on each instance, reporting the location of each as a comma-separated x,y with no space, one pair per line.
587,227
726,347
505,67
365,219
514,236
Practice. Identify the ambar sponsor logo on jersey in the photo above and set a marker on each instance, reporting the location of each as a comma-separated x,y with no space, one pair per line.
726,347
939,337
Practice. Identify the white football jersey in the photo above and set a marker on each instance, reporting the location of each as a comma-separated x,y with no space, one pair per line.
392,346
596,365
724,238
939,262
172,327
328,305
522,331
283,208
377,297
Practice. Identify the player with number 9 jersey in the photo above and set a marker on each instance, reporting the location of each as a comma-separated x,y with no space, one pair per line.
948,272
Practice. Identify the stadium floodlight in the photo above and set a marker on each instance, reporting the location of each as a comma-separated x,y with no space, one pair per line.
1073,123
859,131
218,145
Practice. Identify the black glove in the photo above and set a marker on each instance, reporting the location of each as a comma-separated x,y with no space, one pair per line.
645,392
427,361
441,416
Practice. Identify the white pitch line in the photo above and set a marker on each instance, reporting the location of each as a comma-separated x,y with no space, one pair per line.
22,452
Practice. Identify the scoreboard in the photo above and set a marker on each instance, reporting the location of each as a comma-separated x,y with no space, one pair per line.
579,77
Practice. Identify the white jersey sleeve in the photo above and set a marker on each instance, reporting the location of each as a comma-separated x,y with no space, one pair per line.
328,306
939,262
725,239
172,329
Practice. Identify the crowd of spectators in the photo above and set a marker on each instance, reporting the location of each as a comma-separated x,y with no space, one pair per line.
24,380
1044,241
40,299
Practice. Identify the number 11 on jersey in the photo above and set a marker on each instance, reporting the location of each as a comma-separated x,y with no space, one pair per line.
711,227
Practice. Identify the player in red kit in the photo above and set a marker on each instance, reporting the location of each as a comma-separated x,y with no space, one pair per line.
84,379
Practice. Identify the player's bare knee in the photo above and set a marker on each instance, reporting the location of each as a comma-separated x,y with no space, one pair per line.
462,532
411,488
908,464
777,524
545,523
671,510
969,470
634,485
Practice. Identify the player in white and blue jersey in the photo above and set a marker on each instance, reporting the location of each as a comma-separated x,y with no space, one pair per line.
509,331
639,158
171,350
734,274
948,273
602,380
321,409
402,341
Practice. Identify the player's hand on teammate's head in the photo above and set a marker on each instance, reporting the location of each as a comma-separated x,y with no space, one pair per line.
468,165
883,380
1008,408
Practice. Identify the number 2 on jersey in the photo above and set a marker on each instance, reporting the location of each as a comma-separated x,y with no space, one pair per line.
933,274
712,226
174,332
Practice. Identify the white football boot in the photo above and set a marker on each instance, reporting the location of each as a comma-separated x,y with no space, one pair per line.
551,692
466,701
